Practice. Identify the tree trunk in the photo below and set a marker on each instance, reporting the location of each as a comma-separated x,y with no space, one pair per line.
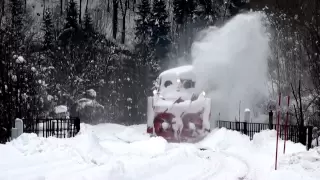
86,7
302,130
115,19
44,8
134,4
3,4
67,5
108,6
299,113
80,9
61,7
123,33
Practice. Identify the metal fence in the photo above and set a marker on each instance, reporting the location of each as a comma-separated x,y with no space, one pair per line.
46,127
3,134
56,127
250,129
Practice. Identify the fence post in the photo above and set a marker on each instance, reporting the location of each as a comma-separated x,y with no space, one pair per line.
309,137
245,131
246,115
237,126
270,119
77,124
3,134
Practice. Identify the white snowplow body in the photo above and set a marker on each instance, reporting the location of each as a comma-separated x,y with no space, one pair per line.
176,110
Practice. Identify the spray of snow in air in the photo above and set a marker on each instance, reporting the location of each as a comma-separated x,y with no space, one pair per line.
230,63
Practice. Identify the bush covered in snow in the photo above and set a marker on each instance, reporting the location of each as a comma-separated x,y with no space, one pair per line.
88,109
61,111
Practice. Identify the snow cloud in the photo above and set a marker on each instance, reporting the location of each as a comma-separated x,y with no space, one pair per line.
231,64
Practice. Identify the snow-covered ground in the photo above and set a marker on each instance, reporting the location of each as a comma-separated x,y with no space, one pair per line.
115,152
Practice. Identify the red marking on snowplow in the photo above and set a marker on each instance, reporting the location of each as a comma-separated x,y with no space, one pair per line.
186,134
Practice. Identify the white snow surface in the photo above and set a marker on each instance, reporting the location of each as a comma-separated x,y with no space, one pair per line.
116,152
181,70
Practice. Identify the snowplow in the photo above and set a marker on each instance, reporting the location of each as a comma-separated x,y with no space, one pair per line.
176,111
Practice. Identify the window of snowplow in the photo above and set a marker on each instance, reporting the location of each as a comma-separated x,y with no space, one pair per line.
167,83
187,83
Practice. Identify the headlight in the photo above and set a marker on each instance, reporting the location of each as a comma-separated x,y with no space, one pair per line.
192,126
155,92
165,125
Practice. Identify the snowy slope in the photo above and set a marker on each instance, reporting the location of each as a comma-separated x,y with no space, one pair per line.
110,151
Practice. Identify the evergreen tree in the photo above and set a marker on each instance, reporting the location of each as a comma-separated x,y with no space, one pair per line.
208,12
72,34
72,15
160,41
141,68
143,30
178,11
183,10
183,15
88,25
48,29
17,14
236,6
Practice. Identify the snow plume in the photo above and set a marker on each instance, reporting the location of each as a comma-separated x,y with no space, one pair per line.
231,64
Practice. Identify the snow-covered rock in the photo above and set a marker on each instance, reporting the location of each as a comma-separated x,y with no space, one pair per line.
88,110
20,59
61,111
92,94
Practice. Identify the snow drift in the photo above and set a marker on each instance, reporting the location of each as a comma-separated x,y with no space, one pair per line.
111,151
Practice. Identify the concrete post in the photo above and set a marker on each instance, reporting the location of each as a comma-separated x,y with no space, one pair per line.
14,133
247,115
19,126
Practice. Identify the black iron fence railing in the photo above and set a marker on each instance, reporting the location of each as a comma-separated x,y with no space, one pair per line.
65,127
249,129
57,127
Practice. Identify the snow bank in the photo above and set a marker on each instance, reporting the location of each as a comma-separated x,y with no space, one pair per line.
7,152
259,154
111,151
130,134
302,165
266,140
85,145
224,139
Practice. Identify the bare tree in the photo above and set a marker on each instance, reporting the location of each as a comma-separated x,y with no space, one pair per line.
124,4
2,9
108,6
115,19
80,10
61,7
